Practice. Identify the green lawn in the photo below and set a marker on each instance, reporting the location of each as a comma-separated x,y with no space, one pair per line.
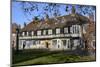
34,57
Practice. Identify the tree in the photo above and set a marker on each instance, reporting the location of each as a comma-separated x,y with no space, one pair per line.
24,24
36,18
52,9
17,39
30,7
88,36
86,10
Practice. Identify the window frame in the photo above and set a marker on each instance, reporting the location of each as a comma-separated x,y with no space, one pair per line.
50,31
39,32
59,30
66,32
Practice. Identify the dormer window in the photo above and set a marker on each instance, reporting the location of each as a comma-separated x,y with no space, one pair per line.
32,33
44,32
50,31
58,31
78,28
75,28
66,30
38,32
23,34
27,33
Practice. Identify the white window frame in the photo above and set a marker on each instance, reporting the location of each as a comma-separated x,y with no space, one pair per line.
44,32
58,31
23,33
54,43
39,32
84,29
50,31
64,44
66,30
77,28
32,33
72,29
27,33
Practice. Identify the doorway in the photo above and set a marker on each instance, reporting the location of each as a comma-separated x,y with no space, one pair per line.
47,44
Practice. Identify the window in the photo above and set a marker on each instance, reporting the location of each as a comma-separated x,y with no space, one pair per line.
44,32
84,31
85,26
38,42
27,33
76,43
38,32
49,31
68,43
23,33
75,26
53,31
72,29
32,33
65,30
34,42
75,29
78,29
58,31
64,42
54,42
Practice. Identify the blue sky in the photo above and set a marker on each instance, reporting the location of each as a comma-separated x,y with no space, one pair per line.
17,14
19,17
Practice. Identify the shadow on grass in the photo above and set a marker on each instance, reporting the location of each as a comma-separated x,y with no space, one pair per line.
24,55
43,56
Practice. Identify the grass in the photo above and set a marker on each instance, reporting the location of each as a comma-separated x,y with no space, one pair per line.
29,54
34,57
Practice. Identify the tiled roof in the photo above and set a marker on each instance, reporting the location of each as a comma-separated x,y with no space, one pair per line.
52,23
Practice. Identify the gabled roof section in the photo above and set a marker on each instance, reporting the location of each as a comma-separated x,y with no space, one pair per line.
52,23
